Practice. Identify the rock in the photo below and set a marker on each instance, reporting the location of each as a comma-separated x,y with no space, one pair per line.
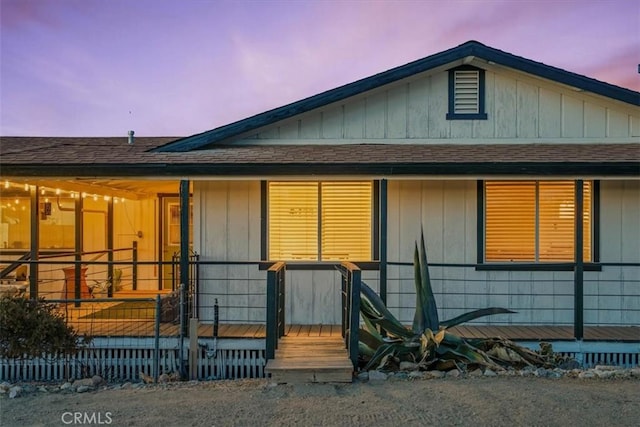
15,391
83,382
415,375
43,389
4,387
164,378
83,389
66,386
398,376
97,380
434,374
489,373
408,366
454,373
635,372
604,374
475,373
363,376
377,376
586,375
607,368
541,372
125,385
569,364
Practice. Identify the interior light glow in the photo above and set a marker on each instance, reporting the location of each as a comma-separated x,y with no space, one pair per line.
84,195
42,192
6,184
26,187
106,198
57,191
95,197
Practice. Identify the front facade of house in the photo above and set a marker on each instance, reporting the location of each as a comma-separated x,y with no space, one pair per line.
490,154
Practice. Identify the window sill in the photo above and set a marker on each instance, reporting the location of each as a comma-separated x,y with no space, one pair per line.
320,265
478,116
549,266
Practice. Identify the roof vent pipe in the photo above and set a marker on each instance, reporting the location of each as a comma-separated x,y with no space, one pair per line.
131,137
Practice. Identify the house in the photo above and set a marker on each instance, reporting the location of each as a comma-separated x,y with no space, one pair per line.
491,154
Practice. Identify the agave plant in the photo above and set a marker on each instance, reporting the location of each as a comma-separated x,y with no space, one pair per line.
384,340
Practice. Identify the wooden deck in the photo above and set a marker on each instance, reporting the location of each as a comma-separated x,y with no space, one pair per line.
145,327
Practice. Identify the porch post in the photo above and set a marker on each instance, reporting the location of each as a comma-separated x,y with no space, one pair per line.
35,241
184,251
578,302
383,240
110,247
78,249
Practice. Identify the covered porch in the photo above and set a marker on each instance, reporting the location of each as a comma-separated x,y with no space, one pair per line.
81,238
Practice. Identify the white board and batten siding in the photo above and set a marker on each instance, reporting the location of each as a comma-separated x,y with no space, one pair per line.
520,108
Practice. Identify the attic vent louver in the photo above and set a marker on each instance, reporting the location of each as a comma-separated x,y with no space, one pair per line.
467,92
131,137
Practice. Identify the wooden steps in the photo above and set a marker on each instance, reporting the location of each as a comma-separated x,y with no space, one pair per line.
301,359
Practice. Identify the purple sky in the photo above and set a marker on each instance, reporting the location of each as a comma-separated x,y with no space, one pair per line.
174,68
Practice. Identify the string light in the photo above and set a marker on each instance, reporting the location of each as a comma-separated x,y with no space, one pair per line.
61,192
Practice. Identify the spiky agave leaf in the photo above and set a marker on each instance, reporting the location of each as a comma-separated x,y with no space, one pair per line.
472,315
370,340
372,307
383,351
455,347
426,315
419,316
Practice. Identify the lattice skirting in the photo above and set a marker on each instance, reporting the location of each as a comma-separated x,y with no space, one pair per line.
124,359
591,353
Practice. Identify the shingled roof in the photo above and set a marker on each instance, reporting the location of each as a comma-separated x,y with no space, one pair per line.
24,156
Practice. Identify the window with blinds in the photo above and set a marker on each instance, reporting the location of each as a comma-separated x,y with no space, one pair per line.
320,221
534,220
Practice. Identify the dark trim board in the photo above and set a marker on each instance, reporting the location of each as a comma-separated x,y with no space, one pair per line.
533,169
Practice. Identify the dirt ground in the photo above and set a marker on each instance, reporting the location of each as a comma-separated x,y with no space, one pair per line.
513,401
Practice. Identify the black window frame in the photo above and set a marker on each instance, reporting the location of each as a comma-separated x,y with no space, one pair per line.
481,114
483,265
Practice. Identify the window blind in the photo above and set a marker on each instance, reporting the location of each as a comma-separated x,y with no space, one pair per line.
293,221
510,225
534,220
346,221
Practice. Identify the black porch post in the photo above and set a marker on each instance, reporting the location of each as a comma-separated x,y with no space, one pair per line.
79,248
110,247
578,303
35,241
184,251
383,240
